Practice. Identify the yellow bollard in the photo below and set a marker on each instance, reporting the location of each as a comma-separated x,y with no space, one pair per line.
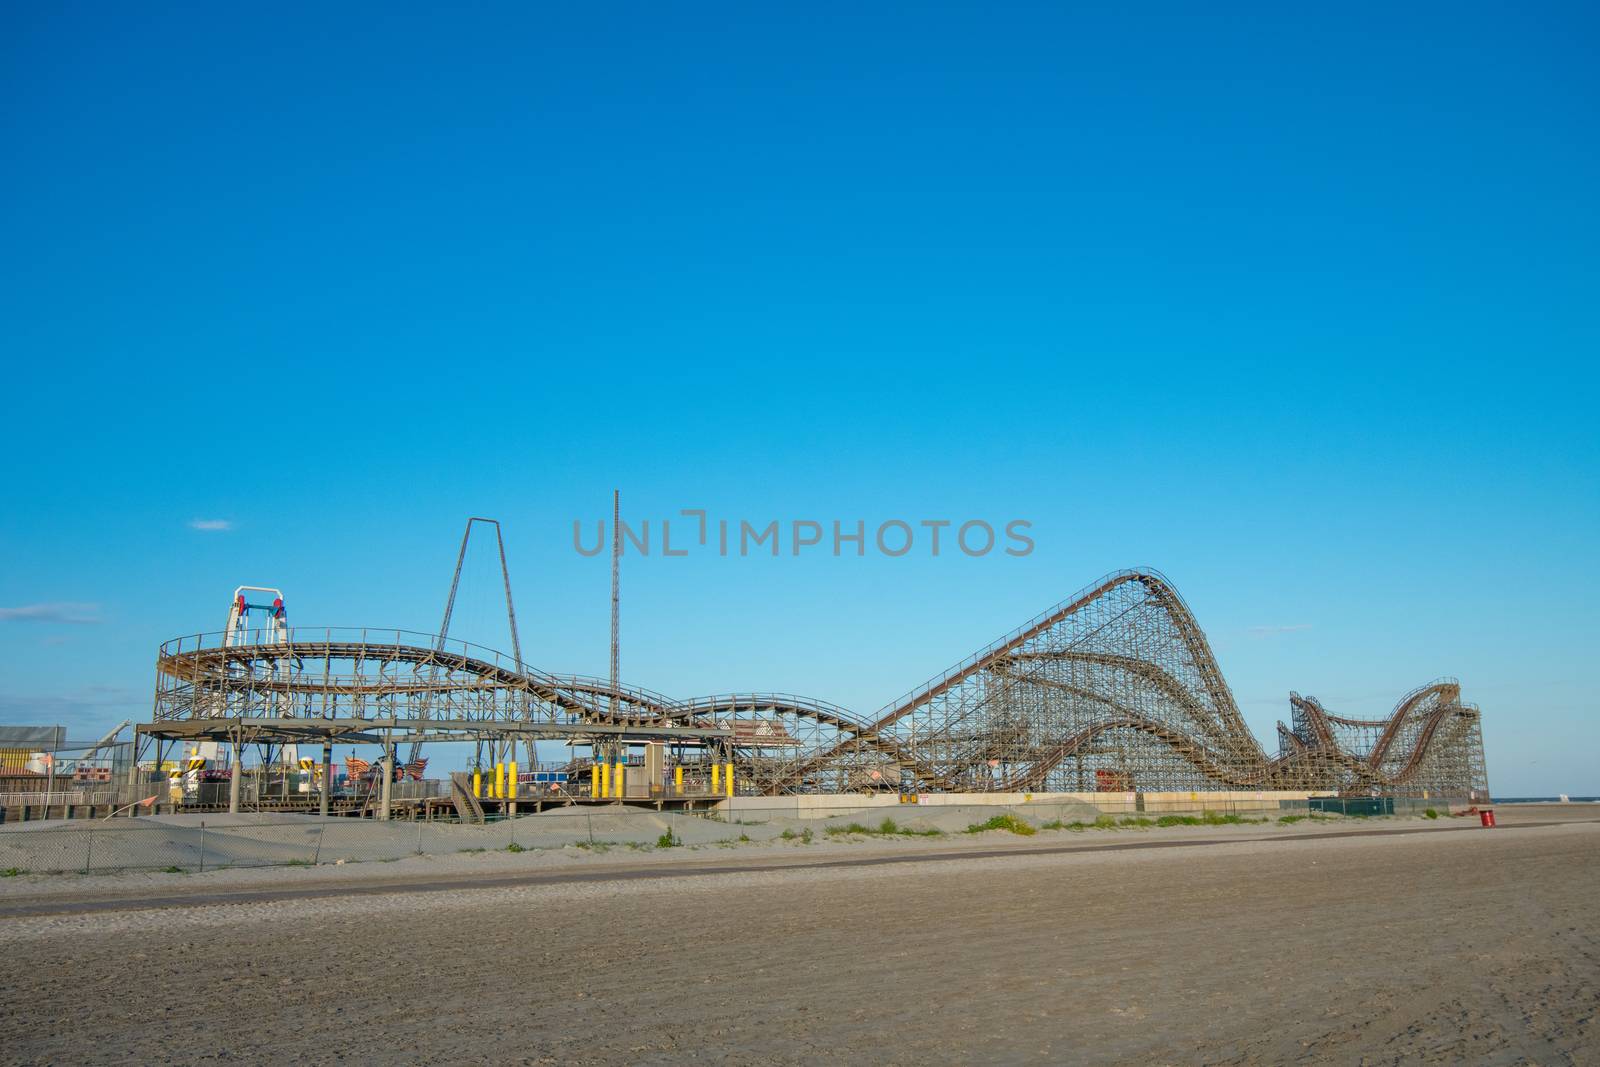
677,779
477,782
605,780
619,780
499,781
511,780
594,779
727,776
716,778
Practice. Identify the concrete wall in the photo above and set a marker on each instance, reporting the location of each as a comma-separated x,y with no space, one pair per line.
824,806
1239,800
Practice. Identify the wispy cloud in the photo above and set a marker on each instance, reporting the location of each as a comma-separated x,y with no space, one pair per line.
211,525
67,612
1269,631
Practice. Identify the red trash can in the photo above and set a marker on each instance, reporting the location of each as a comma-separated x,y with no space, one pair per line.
1486,817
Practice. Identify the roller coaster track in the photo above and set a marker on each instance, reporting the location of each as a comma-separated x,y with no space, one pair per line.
1160,592
1118,679
1268,774
1259,776
415,676
1159,588
1155,675
1442,698
1445,692
1194,717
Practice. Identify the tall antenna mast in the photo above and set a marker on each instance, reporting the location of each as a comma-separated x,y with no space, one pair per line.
616,566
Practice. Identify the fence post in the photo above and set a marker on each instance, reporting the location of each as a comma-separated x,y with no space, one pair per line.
590,820
88,849
202,846
419,837
316,857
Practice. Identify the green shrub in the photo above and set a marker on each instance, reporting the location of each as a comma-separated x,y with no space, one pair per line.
1430,813
1008,822
887,828
666,840
1207,818
12,872
514,847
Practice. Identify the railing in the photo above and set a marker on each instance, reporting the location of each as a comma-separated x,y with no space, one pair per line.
363,636
42,798
634,693
778,701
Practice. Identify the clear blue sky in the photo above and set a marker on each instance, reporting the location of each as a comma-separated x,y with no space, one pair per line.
1299,307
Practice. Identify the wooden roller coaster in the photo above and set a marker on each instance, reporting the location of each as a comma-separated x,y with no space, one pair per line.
1115,686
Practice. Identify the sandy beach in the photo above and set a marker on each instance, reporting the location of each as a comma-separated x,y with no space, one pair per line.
1441,943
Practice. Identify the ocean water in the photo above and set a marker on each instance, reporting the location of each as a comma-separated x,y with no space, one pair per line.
1545,800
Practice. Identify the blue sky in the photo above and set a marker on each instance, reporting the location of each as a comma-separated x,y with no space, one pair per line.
1298,307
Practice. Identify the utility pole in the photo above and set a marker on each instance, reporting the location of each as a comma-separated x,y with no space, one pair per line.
50,757
616,566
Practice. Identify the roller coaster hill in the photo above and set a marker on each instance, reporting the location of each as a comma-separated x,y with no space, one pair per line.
1114,689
